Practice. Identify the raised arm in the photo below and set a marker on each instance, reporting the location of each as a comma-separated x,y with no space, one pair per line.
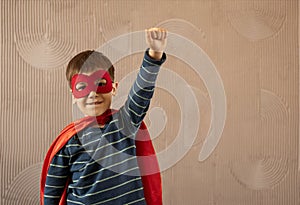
139,97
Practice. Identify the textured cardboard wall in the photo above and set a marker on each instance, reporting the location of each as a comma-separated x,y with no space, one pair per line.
253,46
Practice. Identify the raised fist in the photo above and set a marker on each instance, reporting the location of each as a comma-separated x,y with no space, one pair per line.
156,39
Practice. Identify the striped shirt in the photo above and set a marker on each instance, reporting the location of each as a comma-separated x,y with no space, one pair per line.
100,163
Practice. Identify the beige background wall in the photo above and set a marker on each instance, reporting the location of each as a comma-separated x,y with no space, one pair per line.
253,45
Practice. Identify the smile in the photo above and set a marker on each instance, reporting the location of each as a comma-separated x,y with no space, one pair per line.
94,103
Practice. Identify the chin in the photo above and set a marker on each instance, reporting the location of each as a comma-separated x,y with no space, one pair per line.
94,114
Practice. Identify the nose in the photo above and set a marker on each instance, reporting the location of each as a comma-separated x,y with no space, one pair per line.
93,94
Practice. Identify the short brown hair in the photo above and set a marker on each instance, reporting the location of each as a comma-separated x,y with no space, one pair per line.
89,61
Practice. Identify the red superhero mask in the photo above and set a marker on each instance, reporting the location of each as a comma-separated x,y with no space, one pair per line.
99,81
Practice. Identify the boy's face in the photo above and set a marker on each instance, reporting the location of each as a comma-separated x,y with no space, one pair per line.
93,92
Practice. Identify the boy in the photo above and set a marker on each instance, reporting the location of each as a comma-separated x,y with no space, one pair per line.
95,159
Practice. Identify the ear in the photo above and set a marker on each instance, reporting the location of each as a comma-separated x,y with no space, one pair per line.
114,88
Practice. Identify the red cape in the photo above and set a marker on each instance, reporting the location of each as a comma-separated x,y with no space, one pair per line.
146,157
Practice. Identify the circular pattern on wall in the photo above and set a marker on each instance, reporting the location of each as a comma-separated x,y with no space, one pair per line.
186,29
37,39
256,20
200,62
271,168
272,108
260,173
24,189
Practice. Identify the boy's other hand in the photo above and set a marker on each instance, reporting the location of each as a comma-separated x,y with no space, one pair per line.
156,39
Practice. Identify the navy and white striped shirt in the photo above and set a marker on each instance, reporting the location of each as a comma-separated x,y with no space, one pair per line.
101,163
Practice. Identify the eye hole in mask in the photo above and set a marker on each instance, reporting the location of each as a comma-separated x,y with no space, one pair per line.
81,86
101,82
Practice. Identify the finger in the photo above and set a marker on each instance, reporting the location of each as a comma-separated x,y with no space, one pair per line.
159,34
153,34
147,34
164,35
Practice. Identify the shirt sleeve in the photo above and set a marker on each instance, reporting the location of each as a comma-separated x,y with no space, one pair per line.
141,92
57,177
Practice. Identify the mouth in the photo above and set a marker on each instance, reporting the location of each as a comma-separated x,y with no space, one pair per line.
94,103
